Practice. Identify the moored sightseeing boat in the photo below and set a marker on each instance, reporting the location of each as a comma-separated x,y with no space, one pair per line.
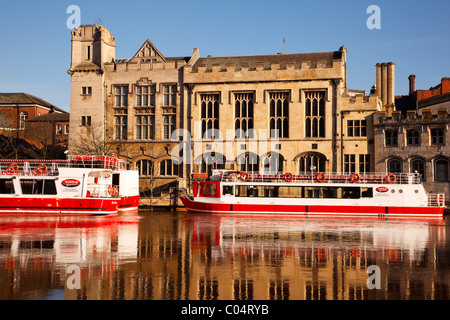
77,186
368,194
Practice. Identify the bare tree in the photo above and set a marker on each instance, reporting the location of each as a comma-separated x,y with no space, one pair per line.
94,141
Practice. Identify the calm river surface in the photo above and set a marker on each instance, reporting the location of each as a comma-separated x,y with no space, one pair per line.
180,256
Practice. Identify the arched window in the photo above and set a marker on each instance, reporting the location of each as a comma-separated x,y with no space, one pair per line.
418,165
394,166
210,161
391,138
273,163
168,168
248,162
441,170
413,137
308,160
145,168
23,118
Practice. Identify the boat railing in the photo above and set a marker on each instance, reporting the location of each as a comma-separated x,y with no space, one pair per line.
36,167
29,167
351,178
436,199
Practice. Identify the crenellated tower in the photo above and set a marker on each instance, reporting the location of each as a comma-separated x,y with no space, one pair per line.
92,47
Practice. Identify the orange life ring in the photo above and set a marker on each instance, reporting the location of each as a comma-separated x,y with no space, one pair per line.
288,177
391,178
320,177
355,178
245,176
112,191
40,170
13,168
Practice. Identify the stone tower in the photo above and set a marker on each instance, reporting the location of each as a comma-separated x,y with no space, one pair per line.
92,47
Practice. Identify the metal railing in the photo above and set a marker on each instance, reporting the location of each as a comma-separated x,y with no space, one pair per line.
436,200
36,167
370,178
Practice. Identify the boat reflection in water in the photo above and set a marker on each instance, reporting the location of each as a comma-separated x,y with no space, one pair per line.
320,258
180,256
38,254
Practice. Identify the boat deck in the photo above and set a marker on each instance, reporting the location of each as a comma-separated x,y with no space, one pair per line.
351,178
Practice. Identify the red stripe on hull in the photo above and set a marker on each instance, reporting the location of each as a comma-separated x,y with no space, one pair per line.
195,206
129,203
46,206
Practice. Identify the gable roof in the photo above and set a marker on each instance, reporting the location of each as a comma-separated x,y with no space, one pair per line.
25,98
148,50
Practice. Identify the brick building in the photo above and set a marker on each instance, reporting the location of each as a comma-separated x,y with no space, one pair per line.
24,116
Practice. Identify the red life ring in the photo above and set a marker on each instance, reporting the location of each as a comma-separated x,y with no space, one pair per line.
391,178
245,176
320,177
13,168
355,178
288,177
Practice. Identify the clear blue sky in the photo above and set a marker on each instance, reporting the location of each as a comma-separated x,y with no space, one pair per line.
35,40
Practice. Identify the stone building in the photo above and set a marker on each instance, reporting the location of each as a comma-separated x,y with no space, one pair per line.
275,113
264,113
414,137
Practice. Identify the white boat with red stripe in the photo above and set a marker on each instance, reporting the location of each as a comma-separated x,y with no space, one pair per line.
368,194
81,185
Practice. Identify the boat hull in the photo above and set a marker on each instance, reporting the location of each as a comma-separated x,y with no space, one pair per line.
59,206
280,209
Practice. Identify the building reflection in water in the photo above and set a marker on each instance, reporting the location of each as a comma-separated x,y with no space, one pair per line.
178,256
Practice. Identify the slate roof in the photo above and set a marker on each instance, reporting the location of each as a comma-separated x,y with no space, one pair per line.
25,98
296,58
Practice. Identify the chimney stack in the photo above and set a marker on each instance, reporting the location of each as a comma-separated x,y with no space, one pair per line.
412,84
385,87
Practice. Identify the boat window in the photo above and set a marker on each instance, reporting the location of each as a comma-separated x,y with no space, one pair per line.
228,190
38,186
351,193
6,186
210,189
367,192
303,192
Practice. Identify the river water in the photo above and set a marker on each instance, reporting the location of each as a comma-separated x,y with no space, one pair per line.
180,256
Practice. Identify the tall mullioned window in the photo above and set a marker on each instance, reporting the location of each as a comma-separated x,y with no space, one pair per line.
121,94
210,115
145,168
349,163
279,114
315,114
145,96
244,115
121,127
169,125
170,95
145,127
